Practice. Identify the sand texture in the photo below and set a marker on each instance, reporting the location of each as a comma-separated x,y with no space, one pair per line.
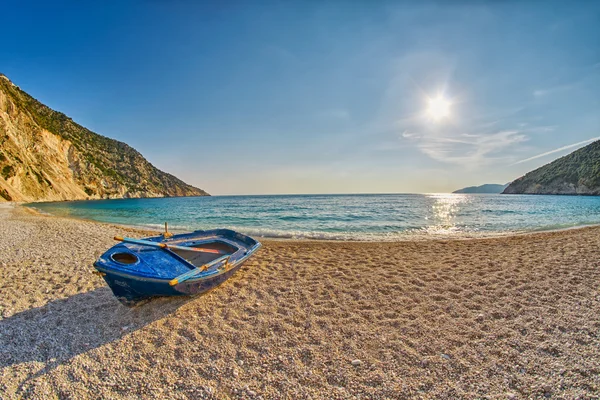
512,317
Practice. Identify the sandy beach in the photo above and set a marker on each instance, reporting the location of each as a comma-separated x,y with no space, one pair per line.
511,317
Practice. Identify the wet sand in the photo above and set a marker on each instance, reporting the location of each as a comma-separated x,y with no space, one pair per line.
510,317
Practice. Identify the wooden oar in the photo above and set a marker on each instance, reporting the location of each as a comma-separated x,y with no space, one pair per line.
191,274
167,246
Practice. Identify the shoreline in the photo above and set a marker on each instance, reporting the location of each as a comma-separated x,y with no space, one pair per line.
43,214
419,238
507,317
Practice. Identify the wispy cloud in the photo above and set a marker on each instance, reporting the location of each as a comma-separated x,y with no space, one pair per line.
569,146
526,127
548,128
466,149
410,135
554,89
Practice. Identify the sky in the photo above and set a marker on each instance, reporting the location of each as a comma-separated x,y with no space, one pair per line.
273,97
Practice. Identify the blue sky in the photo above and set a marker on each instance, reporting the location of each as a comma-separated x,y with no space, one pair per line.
319,97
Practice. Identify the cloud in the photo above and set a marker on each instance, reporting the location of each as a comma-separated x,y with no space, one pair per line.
467,149
525,127
548,128
547,91
555,89
557,150
410,135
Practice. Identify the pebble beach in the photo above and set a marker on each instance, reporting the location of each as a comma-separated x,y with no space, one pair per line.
501,318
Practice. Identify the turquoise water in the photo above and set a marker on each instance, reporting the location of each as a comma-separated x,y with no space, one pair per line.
345,217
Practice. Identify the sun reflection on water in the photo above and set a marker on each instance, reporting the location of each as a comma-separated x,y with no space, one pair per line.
443,219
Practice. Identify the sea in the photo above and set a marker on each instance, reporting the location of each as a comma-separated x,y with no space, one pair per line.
363,217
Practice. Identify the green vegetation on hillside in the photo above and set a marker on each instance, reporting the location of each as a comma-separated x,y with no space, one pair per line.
4,194
8,171
576,173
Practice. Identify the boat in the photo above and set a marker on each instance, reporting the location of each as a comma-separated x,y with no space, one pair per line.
173,265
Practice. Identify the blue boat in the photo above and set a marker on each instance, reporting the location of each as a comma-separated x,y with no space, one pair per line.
173,265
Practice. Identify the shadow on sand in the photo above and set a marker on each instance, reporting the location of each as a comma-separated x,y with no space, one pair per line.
65,328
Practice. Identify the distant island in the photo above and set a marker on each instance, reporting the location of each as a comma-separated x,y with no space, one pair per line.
487,188
575,174
46,156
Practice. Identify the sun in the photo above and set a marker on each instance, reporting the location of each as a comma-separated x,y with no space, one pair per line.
439,108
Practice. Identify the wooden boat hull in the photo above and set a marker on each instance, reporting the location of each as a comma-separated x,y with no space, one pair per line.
131,290
149,271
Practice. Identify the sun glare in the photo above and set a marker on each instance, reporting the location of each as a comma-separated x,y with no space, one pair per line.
439,108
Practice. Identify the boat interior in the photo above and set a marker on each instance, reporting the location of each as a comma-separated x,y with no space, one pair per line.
198,259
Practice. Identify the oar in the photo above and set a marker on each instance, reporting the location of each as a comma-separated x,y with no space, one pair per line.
167,246
191,274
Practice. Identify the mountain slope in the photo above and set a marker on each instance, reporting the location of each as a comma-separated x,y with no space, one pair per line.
577,173
486,188
45,156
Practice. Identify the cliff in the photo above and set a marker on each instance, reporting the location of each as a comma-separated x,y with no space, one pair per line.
46,156
575,174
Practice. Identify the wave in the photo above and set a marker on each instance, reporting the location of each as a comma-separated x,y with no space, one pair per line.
355,218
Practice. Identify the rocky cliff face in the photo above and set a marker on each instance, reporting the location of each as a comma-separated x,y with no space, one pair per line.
45,156
575,174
